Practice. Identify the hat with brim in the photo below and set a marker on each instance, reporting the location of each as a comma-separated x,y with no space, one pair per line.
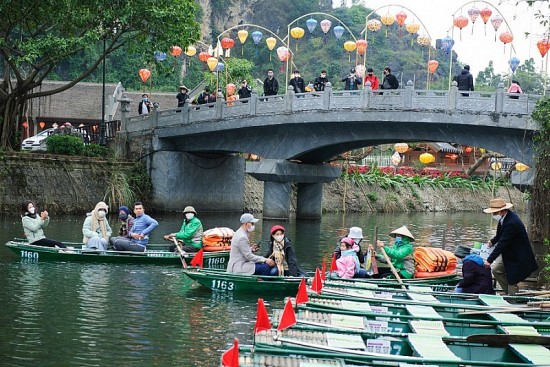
496,205
402,231
183,87
189,209
248,218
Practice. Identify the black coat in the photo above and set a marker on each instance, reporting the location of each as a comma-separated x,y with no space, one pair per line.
244,92
319,84
294,269
298,84
182,97
465,80
390,82
352,82
476,279
512,242
271,87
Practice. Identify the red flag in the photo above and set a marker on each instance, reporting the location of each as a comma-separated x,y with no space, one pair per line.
302,297
333,266
288,318
198,258
230,358
262,320
324,270
317,282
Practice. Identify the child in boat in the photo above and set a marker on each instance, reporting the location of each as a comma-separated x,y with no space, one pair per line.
475,277
348,263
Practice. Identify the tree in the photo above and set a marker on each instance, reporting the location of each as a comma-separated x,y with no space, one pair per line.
35,39
487,80
531,81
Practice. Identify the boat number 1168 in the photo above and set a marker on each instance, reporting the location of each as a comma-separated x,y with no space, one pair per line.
222,285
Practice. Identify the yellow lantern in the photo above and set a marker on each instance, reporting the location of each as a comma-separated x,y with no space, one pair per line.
482,150
243,35
423,40
374,25
521,167
271,42
401,147
297,32
350,46
212,63
387,20
412,28
426,158
496,165
190,51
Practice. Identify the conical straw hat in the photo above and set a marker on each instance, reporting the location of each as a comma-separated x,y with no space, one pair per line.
403,231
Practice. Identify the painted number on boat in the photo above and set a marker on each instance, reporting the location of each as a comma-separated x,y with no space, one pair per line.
222,285
215,261
29,255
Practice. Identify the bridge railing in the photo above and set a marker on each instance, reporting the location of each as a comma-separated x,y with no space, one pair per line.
365,99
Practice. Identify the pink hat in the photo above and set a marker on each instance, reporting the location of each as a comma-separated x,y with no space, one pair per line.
348,241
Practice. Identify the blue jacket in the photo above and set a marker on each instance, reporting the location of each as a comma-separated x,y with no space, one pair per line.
512,242
144,225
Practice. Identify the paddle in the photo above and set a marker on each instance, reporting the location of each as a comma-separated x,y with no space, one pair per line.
505,339
374,264
180,250
395,273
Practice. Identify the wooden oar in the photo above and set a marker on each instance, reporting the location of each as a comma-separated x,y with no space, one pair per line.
505,339
180,250
374,265
395,273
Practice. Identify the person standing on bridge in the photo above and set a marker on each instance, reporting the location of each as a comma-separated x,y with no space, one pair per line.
389,81
352,80
144,107
321,81
373,79
244,91
298,83
465,80
182,96
271,85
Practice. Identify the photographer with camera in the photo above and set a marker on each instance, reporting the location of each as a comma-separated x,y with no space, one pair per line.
352,80
144,107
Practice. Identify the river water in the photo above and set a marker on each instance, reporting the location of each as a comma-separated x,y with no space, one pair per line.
77,314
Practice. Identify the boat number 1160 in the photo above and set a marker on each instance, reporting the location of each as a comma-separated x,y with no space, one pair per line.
222,285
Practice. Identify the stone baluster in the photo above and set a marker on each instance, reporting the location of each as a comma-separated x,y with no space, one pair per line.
452,97
124,109
154,116
367,95
253,102
499,98
220,105
185,111
326,96
408,95
289,98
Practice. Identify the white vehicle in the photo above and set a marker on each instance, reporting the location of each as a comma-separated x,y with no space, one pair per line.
36,142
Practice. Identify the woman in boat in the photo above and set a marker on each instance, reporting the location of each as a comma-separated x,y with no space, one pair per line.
96,228
190,232
400,254
127,221
348,263
281,251
356,234
33,225
475,277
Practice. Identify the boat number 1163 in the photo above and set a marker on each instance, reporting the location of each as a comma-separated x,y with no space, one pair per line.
222,285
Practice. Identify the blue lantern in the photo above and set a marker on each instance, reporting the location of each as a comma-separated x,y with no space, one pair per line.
160,56
311,24
514,63
219,67
447,44
338,31
257,37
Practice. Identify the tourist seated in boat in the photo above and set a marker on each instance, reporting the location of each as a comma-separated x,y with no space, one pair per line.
475,277
280,249
190,232
356,234
127,221
400,254
348,264
138,236
241,258
34,224
96,228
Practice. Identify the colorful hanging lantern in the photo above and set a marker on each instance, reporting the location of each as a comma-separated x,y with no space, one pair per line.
338,31
473,13
361,46
496,21
374,25
543,45
271,42
496,166
360,70
349,46
514,63
230,89
412,28
175,51
219,67
387,20
242,35
396,159
203,56
401,16
485,14
401,147
432,66
460,22
521,167
426,158
144,74
227,44
506,37
447,44
311,25
325,27
191,51
468,150
482,150
42,124
25,124
423,40
160,56
212,62
257,37
283,55
297,33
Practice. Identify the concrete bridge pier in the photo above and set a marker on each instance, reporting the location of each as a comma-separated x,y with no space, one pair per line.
278,176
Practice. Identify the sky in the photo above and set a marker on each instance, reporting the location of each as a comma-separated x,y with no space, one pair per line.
475,49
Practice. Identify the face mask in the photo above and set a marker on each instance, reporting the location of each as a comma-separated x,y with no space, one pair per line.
189,216
145,99
323,75
497,217
123,216
270,74
398,239
279,238
101,214
32,210
251,229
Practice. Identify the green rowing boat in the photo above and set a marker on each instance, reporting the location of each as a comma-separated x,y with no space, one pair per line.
155,254
438,283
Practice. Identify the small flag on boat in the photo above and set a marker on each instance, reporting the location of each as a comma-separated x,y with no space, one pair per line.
262,319
288,318
302,297
198,259
230,358
324,270
333,266
317,282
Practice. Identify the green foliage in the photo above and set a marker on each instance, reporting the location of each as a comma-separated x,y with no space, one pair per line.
65,144
96,150
373,196
140,182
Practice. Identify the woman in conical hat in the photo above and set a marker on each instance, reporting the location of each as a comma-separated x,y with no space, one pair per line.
400,253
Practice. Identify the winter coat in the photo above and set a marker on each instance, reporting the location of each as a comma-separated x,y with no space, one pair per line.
374,81
352,82
244,92
399,253
191,233
94,226
241,258
390,82
512,242
294,269
182,97
356,247
348,264
33,227
271,87
298,84
319,84
465,80
475,277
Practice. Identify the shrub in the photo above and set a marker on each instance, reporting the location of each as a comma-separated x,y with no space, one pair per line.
65,144
96,150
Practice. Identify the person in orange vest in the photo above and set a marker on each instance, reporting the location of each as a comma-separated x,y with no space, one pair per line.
373,79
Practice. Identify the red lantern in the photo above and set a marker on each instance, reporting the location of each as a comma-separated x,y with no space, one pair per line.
543,45
506,37
144,74
361,46
401,17
42,124
468,150
432,66
485,14
175,51
460,21
227,43
204,56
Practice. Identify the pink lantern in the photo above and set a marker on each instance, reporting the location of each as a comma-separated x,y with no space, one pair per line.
283,55
432,66
473,13
325,27
496,21
401,17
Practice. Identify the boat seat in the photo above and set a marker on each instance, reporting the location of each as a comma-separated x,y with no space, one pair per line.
347,321
423,311
347,341
360,292
533,353
425,327
356,306
493,300
506,317
431,347
423,297
420,289
520,330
